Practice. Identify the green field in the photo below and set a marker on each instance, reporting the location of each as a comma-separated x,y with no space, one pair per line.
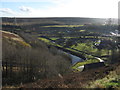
75,67
54,38
48,42
64,26
86,47
44,39
89,48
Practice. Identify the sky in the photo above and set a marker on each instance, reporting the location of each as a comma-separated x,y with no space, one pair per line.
59,8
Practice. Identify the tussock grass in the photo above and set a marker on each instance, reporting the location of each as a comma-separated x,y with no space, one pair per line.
112,80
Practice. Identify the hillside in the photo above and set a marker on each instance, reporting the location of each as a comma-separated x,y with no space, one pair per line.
69,80
59,26
52,21
59,53
87,79
20,59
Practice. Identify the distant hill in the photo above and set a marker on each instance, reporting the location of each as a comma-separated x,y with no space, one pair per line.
56,20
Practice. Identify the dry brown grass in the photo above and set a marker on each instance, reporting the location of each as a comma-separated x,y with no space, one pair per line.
14,37
107,81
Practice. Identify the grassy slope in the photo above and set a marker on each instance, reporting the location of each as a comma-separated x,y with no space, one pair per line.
112,80
15,38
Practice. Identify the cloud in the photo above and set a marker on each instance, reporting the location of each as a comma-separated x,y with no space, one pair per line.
26,9
54,1
75,8
6,11
59,1
70,8
85,8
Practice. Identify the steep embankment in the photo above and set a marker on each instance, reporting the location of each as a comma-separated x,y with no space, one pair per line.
112,80
25,63
75,80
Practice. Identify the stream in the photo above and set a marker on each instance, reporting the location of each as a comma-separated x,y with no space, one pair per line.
75,59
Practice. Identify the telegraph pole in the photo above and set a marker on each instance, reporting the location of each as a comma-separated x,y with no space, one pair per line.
15,21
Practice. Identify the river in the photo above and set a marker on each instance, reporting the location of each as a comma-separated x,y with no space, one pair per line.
75,59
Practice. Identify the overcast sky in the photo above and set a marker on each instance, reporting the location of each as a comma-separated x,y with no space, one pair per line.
59,8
